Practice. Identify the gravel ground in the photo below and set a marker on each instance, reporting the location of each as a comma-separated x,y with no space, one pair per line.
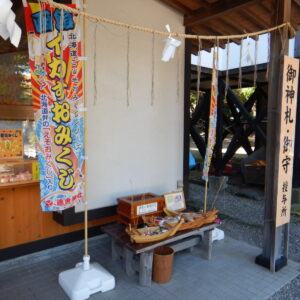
242,210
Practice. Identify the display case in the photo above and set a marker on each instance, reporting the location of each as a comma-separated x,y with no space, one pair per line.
18,172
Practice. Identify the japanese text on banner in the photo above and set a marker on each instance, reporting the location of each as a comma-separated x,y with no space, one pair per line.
54,47
212,121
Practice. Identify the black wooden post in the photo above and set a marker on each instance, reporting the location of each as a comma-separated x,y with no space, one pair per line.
274,239
186,129
296,173
258,141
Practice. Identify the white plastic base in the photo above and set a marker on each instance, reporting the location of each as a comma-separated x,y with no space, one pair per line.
86,279
217,234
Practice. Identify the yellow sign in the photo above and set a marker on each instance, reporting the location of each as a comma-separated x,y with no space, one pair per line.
287,139
11,144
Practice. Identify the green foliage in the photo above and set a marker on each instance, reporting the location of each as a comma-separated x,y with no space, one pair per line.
244,93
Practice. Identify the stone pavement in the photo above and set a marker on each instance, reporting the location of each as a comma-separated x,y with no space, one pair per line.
231,274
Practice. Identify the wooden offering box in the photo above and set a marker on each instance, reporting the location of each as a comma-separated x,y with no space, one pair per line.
132,208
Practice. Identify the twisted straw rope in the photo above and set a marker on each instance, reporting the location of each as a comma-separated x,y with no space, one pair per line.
164,33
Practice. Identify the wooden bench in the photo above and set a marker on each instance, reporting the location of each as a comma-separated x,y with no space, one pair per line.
139,257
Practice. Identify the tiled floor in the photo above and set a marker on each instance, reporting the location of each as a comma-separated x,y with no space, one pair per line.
231,274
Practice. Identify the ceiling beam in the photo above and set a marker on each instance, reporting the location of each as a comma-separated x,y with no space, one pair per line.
177,5
297,2
218,9
256,19
224,28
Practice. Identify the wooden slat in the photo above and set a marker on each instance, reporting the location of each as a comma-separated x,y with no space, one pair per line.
177,5
22,221
295,14
297,2
209,31
16,112
215,10
224,28
262,11
194,4
255,18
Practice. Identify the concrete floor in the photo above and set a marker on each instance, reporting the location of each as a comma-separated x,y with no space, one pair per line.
231,274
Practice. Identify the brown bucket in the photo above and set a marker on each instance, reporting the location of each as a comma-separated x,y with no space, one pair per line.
162,264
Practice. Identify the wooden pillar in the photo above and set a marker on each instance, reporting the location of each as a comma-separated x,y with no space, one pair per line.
296,174
259,108
186,129
274,255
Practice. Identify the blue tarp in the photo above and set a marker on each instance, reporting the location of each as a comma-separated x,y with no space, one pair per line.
192,161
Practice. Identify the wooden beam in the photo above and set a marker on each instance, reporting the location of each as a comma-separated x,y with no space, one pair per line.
206,45
295,13
200,143
217,9
297,2
268,6
202,107
16,112
177,5
240,22
233,28
255,18
223,29
296,173
205,30
245,113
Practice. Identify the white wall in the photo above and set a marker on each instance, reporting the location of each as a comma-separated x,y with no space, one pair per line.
137,148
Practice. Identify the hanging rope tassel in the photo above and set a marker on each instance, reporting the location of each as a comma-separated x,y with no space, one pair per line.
128,69
95,65
255,62
240,66
227,68
217,58
283,40
178,78
269,55
199,69
152,69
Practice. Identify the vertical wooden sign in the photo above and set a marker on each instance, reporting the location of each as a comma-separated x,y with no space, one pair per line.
287,138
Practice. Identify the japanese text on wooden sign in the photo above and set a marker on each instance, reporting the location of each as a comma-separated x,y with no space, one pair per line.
56,77
287,137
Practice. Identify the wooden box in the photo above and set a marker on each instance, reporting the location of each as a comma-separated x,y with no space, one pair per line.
132,208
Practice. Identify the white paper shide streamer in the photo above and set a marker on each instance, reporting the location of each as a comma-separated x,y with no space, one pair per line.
8,26
170,46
